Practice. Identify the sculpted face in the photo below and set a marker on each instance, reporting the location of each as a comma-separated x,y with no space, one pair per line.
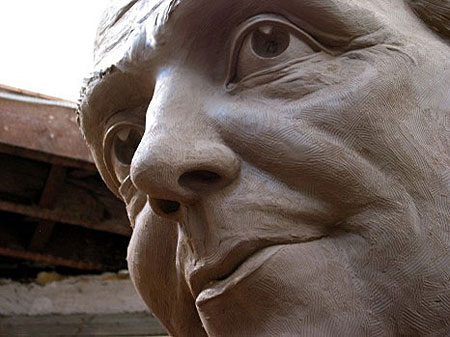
284,163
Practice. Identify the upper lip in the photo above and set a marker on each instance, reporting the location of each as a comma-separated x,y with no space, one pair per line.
224,265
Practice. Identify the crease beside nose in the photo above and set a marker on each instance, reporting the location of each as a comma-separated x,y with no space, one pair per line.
182,172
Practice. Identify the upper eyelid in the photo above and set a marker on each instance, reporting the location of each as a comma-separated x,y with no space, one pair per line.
242,30
133,115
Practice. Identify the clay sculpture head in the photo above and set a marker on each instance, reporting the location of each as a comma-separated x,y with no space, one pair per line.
284,164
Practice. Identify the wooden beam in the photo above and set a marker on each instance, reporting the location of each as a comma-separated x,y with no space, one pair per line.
45,129
46,157
83,200
52,187
86,218
49,259
41,235
22,179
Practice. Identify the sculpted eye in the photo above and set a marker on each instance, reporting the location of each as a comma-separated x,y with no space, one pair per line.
264,42
269,41
120,144
125,144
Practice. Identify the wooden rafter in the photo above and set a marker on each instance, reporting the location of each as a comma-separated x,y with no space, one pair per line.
51,182
52,187
49,259
44,132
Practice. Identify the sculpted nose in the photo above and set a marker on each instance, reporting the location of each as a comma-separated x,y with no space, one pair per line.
173,172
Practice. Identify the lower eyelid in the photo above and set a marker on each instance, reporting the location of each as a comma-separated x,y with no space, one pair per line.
297,83
271,74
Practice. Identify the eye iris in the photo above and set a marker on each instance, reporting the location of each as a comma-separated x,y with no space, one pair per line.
270,41
125,144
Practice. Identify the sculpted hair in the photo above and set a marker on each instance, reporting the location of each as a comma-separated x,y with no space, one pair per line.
123,19
435,13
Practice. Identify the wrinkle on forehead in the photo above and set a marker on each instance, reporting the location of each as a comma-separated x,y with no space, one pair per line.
128,27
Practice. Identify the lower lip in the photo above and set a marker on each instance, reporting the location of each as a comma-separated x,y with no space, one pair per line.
248,267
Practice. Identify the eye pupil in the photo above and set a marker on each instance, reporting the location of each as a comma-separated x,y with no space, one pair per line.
125,145
270,41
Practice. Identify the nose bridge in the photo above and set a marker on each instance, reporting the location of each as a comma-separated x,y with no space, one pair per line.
177,103
180,155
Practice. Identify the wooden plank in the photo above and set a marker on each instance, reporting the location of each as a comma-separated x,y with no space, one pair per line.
22,179
92,219
53,185
105,250
46,157
123,324
42,128
41,235
83,200
49,259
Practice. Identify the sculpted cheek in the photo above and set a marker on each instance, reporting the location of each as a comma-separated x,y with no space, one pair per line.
328,140
150,251
308,159
151,262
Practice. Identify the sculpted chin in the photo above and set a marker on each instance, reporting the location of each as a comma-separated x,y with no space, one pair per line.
284,164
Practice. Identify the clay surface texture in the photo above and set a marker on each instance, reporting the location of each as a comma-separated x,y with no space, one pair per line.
285,164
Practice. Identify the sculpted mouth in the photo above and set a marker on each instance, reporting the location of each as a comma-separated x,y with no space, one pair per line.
223,277
219,286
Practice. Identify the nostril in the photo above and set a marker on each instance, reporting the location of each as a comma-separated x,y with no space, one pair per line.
167,206
199,179
204,177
